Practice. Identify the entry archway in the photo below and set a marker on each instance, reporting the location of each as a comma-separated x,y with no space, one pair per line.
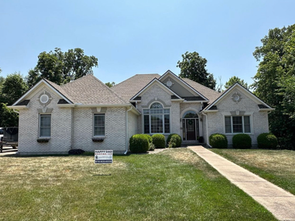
190,125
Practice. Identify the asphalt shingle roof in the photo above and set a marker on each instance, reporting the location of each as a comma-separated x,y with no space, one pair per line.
89,90
207,92
128,88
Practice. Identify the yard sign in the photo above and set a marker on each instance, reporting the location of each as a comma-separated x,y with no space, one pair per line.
103,156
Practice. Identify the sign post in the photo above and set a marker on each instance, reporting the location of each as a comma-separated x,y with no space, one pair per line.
103,156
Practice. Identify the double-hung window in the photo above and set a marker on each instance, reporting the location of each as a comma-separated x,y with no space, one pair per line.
156,119
45,125
237,124
99,125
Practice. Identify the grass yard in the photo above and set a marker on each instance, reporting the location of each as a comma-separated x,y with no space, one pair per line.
276,166
172,185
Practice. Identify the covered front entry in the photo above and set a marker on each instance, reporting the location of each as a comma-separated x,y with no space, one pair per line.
190,126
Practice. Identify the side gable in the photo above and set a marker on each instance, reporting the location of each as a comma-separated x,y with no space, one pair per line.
181,87
236,97
24,100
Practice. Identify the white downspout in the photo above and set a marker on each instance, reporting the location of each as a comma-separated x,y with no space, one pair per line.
127,132
207,135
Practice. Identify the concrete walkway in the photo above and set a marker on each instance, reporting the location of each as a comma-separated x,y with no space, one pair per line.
276,200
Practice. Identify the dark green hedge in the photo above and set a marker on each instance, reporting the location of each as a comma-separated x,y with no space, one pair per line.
218,140
139,143
174,140
242,141
267,141
159,140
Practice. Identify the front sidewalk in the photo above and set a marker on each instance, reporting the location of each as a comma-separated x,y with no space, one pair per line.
276,200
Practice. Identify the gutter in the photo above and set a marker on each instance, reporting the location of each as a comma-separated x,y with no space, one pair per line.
127,132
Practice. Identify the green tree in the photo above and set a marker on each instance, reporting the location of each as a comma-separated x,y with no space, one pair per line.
234,80
13,88
60,67
8,118
274,81
109,84
193,66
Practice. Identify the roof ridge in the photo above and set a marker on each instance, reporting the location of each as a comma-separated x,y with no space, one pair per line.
133,77
200,84
104,85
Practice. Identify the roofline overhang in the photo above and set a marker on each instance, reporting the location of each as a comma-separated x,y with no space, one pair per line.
19,107
209,111
266,109
100,105
35,86
185,101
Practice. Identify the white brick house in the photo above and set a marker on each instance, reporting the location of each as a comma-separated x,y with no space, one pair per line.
86,114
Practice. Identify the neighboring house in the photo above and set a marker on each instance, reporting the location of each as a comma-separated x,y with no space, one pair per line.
86,114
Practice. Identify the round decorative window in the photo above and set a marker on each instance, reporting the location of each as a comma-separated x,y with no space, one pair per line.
169,83
236,97
44,98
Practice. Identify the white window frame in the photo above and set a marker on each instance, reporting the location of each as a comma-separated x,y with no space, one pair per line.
40,117
94,126
163,119
243,124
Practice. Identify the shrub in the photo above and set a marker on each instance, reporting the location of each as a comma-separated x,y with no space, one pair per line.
139,143
76,152
218,140
267,141
174,140
150,140
159,140
242,141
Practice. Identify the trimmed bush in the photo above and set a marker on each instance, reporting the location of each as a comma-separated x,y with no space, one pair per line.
159,140
150,140
139,143
242,141
174,140
76,152
267,141
218,140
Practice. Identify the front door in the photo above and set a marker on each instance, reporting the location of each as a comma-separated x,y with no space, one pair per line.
191,129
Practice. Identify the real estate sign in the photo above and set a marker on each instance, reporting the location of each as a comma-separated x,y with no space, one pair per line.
103,156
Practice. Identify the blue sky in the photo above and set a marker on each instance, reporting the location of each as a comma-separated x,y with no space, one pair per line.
138,37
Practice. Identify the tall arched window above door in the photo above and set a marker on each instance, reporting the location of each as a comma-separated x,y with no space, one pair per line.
156,119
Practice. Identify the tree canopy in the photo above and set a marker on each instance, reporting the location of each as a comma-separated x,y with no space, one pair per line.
274,81
193,66
234,80
13,87
61,67
110,84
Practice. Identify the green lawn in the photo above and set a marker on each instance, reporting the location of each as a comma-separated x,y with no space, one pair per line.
172,185
276,166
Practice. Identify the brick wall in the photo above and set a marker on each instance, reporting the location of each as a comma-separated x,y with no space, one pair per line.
115,136
259,120
60,141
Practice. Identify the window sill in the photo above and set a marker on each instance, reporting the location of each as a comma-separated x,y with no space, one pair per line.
98,139
43,140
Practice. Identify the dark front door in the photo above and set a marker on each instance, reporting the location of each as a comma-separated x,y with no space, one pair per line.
190,129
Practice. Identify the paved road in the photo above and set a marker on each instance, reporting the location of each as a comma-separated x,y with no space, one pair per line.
276,200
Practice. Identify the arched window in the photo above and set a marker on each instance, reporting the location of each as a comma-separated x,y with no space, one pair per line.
156,119
190,114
